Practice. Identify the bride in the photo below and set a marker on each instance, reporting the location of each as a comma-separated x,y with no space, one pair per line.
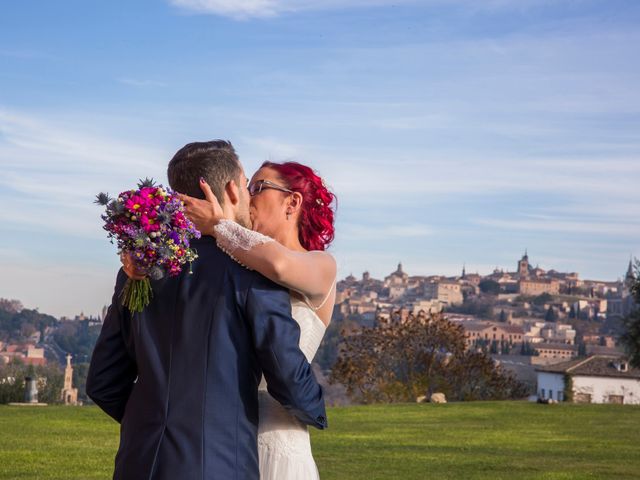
291,208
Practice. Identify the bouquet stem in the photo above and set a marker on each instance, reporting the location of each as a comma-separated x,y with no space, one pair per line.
136,294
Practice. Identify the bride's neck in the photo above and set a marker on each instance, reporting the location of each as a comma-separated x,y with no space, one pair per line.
289,238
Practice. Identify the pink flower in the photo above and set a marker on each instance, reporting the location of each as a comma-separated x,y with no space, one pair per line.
136,203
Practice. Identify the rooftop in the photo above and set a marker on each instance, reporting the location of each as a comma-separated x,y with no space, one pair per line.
596,365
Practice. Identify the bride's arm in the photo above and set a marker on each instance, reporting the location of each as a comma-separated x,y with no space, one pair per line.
311,273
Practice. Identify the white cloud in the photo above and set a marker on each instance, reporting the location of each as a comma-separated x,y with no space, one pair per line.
365,233
242,9
269,8
563,225
52,170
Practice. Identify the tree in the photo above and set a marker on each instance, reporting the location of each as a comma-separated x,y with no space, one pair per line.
582,349
630,339
542,299
489,286
50,380
551,315
397,361
503,316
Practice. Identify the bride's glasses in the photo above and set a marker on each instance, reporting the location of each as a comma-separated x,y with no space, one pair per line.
257,187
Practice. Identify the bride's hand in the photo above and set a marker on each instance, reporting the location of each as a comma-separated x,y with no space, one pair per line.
130,268
205,214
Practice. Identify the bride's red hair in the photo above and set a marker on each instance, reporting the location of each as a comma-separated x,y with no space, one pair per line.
318,203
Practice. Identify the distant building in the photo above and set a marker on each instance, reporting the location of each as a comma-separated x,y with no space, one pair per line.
596,379
555,351
538,287
523,266
28,354
446,292
487,332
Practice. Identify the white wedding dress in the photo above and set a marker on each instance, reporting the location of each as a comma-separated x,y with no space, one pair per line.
284,447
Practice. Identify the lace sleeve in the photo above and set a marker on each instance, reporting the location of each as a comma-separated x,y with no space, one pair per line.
231,237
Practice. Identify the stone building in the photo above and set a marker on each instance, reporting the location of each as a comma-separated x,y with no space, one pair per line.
538,287
596,379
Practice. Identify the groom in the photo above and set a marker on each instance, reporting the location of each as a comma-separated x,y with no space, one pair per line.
182,376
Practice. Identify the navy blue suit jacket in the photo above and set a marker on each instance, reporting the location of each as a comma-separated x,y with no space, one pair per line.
182,376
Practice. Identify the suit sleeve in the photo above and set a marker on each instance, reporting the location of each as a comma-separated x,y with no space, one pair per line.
112,371
276,337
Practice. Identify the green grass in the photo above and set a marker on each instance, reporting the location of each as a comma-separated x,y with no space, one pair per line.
488,440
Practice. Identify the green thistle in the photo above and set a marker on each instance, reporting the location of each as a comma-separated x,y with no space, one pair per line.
102,199
147,182
116,207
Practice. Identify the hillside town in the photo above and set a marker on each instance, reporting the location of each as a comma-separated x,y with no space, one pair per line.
533,322
525,319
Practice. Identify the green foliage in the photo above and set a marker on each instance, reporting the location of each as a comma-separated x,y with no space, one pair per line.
542,299
489,286
400,360
328,352
481,308
630,339
80,371
77,338
50,382
582,349
551,315
16,326
527,349
568,388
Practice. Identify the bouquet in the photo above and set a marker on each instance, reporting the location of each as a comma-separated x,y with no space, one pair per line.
149,223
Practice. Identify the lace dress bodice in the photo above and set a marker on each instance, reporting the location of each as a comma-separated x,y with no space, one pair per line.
311,331
283,441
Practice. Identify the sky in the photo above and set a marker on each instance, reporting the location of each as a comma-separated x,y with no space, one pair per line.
452,131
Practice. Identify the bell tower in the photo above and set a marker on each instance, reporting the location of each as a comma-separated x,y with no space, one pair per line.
523,266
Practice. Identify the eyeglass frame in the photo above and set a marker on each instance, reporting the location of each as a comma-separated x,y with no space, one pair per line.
262,184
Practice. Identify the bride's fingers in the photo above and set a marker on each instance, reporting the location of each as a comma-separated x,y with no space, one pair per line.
186,199
208,193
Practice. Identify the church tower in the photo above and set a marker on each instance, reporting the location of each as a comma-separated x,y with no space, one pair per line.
523,266
69,394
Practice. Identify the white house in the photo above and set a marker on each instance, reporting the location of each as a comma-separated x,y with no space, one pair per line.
596,379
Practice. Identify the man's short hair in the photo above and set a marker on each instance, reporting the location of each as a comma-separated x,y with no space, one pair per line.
215,161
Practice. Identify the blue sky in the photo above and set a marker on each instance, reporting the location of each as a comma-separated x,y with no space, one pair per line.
452,131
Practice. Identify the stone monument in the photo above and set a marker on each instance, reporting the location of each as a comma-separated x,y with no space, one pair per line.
69,394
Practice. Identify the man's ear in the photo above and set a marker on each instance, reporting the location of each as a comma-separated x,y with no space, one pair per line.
232,192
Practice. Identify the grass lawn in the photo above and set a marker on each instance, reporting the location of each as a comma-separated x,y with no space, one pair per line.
489,440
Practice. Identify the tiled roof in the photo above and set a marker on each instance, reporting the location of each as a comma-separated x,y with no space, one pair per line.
554,346
596,366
